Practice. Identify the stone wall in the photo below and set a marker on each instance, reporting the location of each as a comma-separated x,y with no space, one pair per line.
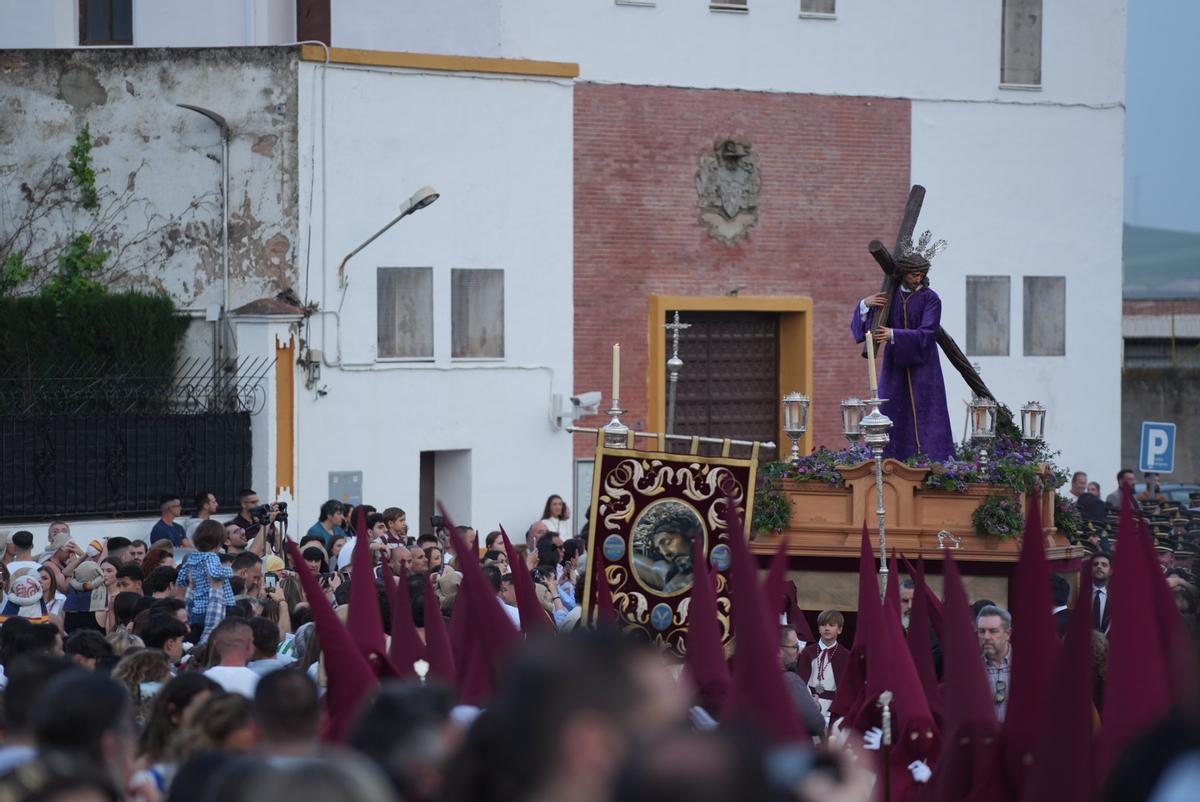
1166,395
158,166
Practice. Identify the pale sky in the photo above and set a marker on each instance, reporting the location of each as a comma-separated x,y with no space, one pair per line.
1162,120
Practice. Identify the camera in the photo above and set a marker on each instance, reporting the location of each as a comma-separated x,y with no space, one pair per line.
261,514
272,581
586,403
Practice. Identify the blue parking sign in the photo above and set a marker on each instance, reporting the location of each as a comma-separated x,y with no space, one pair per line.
1158,447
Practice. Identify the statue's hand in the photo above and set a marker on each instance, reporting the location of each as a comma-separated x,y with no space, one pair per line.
877,300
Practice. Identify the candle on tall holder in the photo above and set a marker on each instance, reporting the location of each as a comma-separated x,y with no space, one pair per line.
616,367
616,433
874,382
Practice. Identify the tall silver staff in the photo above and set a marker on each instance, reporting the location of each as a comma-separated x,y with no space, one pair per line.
674,364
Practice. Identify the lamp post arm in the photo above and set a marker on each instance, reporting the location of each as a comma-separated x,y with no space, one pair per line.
373,237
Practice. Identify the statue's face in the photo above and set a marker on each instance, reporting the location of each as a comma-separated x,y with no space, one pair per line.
914,278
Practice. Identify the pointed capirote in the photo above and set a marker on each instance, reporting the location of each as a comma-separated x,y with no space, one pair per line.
533,615
350,676
705,656
364,621
1061,764
406,646
758,684
1034,646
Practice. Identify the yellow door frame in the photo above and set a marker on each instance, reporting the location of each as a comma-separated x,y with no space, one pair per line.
795,349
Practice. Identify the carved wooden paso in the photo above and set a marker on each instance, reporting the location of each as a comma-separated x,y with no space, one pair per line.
887,262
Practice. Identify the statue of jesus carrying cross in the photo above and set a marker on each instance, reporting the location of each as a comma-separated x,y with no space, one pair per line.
906,315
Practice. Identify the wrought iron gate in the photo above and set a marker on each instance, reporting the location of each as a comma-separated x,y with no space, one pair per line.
85,441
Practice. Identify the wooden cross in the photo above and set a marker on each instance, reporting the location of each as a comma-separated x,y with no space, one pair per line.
887,262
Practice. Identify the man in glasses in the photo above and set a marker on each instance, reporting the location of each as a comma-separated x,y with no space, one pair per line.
994,627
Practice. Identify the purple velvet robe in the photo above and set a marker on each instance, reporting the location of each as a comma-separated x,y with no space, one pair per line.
911,376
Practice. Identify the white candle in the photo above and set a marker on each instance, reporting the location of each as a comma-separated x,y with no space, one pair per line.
871,363
616,365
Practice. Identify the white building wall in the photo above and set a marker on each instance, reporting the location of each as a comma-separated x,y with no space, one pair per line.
932,49
156,23
1033,191
450,27
499,152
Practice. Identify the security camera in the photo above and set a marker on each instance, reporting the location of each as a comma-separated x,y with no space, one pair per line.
586,403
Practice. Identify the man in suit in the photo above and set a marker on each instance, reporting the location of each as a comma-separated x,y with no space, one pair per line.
1125,482
1060,590
1101,574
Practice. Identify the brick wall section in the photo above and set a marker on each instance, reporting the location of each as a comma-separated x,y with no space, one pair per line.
835,175
1181,306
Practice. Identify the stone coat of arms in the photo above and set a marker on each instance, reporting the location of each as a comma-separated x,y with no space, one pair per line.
728,183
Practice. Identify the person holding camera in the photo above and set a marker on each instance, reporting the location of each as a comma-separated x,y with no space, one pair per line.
255,517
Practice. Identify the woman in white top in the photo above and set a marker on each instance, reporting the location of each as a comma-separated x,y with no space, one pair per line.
556,515
52,600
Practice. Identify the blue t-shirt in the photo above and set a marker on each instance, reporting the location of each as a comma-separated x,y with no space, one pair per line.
164,531
319,531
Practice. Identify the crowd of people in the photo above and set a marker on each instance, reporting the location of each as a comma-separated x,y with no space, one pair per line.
1174,525
216,660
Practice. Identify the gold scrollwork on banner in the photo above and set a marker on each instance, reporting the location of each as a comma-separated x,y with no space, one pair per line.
653,513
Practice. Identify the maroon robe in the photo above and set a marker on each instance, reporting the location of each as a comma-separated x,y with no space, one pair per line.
837,662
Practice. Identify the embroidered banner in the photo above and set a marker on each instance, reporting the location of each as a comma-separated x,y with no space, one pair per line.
648,511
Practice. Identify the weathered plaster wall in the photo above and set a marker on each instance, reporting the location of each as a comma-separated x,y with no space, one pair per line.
167,158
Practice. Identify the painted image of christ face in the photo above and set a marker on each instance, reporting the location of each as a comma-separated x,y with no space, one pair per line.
664,544
676,548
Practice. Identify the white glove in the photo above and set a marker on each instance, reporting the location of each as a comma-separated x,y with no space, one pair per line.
872,739
920,771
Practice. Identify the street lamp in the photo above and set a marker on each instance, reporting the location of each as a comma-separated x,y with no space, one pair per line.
795,420
419,200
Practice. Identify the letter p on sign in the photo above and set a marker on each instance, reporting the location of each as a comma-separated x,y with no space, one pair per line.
1158,448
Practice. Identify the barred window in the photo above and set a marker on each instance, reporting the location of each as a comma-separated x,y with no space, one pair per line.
105,22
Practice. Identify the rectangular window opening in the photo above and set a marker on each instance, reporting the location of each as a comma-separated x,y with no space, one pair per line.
818,8
1045,315
988,306
1021,43
477,314
405,312
105,22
